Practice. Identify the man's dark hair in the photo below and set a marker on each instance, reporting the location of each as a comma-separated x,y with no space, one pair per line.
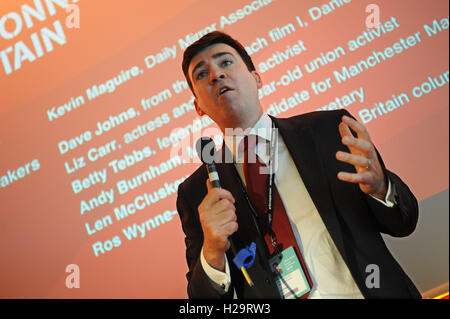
208,40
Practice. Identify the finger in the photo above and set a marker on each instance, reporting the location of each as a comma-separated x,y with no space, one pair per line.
357,127
217,215
227,229
231,228
225,205
223,220
344,130
359,178
228,245
363,146
353,159
215,193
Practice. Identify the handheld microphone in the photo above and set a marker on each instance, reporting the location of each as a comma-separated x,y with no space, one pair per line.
206,150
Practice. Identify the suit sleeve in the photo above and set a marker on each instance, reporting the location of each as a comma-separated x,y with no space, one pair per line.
199,285
401,219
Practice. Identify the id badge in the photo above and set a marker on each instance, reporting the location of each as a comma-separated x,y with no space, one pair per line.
289,276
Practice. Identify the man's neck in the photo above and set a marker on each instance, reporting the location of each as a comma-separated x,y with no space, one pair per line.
242,126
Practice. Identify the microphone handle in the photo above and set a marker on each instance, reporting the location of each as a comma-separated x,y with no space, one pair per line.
213,175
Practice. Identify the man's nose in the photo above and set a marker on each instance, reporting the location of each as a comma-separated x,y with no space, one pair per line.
215,75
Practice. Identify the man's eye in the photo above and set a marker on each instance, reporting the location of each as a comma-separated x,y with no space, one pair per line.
201,75
226,62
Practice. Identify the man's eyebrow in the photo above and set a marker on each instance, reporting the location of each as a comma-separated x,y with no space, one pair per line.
215,56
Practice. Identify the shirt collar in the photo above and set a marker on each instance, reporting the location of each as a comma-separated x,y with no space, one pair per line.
262,128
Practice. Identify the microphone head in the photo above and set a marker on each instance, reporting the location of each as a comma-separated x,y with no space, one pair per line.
206,149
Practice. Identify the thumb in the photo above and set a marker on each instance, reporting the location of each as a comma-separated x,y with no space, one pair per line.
208,184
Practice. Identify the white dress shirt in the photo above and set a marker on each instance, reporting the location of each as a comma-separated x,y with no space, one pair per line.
330,275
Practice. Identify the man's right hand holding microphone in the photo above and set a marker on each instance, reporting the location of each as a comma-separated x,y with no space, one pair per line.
218,219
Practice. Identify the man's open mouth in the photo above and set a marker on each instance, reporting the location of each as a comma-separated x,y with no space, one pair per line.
223,90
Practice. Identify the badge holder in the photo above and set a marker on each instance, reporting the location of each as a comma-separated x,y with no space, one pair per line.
289,275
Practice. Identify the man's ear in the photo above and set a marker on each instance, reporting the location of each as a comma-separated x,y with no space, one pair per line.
258,79
198,109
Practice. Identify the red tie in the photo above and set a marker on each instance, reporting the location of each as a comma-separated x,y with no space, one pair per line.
257,182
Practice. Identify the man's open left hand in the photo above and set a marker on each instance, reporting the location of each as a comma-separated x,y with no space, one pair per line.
369,174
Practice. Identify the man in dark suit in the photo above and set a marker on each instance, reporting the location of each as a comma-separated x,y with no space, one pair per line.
336,193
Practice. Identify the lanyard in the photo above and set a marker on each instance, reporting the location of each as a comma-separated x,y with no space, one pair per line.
270,191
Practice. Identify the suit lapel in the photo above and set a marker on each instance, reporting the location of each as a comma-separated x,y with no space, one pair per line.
302,147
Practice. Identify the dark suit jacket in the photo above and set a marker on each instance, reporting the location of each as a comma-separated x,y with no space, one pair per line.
353,219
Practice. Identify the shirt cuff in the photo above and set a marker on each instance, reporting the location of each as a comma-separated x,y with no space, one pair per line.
219,280
391,194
